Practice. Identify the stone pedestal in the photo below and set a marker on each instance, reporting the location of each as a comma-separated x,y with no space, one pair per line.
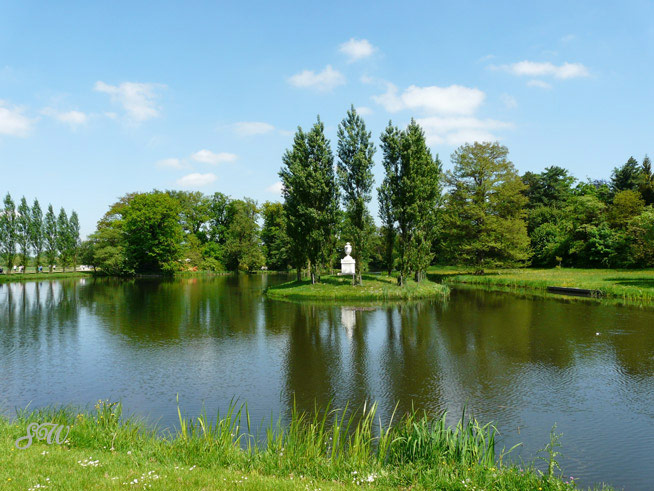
348,263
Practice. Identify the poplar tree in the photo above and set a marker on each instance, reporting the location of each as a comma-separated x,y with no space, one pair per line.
23,231
412,186
8,231
51,237
355,153
36,233
388,223
310,197
63,238
73,237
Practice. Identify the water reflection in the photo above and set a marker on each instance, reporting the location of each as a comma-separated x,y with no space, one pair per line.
523,363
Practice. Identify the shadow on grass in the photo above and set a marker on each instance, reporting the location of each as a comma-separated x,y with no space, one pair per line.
637,282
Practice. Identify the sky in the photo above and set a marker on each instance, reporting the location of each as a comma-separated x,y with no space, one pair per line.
98,99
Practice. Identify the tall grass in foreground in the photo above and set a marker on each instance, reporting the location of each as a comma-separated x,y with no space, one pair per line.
342,445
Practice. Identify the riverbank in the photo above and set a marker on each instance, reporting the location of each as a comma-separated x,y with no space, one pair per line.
631,286
374,288
8,278
325,450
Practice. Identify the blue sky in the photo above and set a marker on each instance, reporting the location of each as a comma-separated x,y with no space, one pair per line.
98,99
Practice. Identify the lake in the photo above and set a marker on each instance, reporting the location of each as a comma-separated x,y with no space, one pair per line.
523,363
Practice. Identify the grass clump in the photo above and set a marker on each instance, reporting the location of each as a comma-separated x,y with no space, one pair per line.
373,288
327,449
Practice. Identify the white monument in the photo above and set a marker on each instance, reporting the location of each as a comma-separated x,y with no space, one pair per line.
348,262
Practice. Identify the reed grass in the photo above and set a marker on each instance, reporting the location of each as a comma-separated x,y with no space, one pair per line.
326,448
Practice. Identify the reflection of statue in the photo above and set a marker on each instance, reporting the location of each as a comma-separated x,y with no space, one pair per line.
348,320
348,262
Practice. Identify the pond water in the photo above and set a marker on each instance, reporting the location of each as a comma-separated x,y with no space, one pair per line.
523,363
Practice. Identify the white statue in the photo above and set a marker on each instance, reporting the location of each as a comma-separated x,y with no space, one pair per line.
348,262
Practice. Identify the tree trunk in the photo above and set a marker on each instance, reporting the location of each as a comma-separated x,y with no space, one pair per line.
299,274
400,279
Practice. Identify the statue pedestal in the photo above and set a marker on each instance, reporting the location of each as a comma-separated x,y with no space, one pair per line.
348,265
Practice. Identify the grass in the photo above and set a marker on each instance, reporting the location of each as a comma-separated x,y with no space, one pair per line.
325,449
631,286
374,288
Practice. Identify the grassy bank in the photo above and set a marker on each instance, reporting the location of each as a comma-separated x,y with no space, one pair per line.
632,286
374,287
6,278
325,450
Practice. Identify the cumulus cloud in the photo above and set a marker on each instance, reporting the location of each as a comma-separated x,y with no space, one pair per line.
138,99
539,83
458,130
356,49
364,110
172,163
12,120
196,180
452,100
546,69
322,81
71,118
275,188
209,157
248,128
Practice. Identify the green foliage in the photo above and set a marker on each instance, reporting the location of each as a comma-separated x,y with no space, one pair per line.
274,238
646,184
63,238
485,208
37,234
626,177
355,153
310,198
412,189
8,231
550,188
23,231
109,249
243,246
153,233
51,237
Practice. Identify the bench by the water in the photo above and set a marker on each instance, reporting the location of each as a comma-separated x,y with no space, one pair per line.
577,292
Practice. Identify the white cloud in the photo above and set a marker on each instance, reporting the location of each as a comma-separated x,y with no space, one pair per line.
196,180
543,69
209,157
539,83
71,118
248,128
138,99
172,163
509,101
458,130
12,121
452,100
322,81
364,110
357,49
275,188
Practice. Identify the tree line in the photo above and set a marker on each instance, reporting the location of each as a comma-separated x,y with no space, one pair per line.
29,237
481,213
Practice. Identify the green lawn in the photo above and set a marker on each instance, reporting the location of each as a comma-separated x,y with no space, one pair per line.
31,275
630,285
374,287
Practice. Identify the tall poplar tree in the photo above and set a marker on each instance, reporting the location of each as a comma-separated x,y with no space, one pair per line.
310,198
51,235
412,183
388,223
36,232
355,153
63,238
73,237
8,231
23,219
